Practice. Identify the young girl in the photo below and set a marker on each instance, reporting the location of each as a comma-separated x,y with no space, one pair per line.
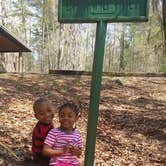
64,144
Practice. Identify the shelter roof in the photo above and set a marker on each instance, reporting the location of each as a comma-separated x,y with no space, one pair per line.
10,43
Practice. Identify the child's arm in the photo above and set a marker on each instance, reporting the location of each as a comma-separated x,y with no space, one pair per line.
48,151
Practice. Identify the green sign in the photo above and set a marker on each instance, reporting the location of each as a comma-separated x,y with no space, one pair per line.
84,11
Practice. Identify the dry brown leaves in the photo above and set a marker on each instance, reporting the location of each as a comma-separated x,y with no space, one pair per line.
132,122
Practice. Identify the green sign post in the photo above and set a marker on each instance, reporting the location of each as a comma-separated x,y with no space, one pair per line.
100,12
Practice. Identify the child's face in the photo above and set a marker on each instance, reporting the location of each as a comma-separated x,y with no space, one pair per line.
67,118
44,113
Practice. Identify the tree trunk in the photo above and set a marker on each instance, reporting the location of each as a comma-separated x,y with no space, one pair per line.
121,61
59,48
164,22
3,12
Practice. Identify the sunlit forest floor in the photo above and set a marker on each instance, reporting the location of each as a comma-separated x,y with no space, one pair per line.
132,121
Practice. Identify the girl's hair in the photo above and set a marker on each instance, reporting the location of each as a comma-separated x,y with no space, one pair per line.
38,102
72,106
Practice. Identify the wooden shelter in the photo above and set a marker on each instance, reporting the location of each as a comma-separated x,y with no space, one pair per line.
9,43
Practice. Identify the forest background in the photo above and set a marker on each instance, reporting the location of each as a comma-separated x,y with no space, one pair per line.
130,47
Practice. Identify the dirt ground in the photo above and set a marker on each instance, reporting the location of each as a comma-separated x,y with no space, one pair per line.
132,121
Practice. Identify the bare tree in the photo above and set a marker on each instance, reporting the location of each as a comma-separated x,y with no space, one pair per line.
164,22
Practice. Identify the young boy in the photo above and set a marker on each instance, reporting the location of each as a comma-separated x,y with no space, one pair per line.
44,114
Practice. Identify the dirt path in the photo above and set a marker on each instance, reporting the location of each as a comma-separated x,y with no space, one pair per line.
132,121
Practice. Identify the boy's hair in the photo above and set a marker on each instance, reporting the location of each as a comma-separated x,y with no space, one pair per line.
38,102
70,105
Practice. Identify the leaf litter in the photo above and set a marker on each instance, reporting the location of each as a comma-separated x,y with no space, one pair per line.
131,125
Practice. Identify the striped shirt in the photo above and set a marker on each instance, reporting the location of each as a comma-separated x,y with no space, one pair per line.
57,139
39,134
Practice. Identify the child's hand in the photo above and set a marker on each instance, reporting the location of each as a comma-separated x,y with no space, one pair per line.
68,147
76,151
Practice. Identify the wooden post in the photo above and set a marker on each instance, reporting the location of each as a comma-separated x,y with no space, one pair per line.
20,62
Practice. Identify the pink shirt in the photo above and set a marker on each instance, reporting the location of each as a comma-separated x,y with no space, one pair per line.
57,139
